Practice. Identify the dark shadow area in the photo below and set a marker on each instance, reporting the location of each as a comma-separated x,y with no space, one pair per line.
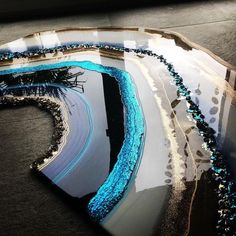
204,212
115,119
76,205
13,10
30,205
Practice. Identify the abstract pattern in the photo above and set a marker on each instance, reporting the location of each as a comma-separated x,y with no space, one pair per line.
151,89
130,151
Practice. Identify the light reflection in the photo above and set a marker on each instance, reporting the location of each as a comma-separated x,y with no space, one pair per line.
49,39
199,70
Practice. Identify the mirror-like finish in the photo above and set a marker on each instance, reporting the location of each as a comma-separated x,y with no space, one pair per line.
174,164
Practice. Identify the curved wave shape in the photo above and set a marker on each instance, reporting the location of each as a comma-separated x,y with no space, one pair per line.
115,185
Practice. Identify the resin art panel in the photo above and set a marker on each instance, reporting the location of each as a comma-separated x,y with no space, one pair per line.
144,134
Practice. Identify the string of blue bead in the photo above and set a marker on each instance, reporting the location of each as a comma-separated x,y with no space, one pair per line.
226,190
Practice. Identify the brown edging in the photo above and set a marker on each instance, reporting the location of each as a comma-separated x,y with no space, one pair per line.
174,35
164,33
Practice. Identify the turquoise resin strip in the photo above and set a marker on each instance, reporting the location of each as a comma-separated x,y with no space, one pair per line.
113,188
115,185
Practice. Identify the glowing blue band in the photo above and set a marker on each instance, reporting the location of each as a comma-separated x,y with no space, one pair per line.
115,185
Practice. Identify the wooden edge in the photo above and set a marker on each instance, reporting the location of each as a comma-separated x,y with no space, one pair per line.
165,33
191,44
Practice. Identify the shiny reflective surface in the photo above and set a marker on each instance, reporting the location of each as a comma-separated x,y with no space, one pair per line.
174,163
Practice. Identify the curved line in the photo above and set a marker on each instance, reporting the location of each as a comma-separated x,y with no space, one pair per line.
111,191
191,44
77,158
218,171
194,164
143,30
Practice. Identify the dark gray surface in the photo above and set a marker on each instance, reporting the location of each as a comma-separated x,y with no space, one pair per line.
28,205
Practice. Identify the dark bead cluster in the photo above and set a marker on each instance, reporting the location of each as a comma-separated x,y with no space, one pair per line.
226,191
44,104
